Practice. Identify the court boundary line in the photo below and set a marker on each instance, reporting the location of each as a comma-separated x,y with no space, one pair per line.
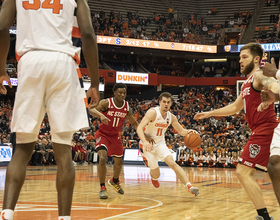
151,207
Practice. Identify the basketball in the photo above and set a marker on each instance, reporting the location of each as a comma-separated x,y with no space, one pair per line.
192,140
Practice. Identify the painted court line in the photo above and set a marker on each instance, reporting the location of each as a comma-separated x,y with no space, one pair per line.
151,207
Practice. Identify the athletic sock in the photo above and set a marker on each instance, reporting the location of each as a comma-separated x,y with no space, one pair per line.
263,212
154,179
102,184
64,218
7,214
188,184
115,180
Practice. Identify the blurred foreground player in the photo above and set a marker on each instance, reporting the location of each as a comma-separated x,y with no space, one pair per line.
47,83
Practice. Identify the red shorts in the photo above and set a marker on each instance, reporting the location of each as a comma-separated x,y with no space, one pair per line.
256,152
112,144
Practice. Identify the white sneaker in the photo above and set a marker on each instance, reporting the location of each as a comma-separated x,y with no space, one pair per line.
74,163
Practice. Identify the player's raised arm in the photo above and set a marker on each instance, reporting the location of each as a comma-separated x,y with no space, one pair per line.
178,127
7,17
227,110
90,49
149,117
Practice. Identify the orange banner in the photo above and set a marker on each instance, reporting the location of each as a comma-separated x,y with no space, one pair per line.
129,42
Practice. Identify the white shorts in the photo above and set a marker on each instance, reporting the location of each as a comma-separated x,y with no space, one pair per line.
275,143
160,152
48,82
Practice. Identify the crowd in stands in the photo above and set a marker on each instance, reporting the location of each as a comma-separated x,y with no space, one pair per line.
221,136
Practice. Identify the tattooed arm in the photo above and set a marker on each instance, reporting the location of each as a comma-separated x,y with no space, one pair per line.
266,82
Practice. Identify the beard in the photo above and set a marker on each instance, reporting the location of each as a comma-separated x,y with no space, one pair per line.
248,69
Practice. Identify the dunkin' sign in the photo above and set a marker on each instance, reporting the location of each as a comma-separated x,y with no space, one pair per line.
132,78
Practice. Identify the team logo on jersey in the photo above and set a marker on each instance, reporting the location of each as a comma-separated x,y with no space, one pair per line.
125,109
167,120
254,150
98,139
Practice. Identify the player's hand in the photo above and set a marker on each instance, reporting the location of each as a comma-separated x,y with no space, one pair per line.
269,69
147,146
191,131
104,119
4,77
202,115
93,94
268,98
149,139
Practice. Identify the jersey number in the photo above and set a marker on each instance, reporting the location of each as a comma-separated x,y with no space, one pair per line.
116,122
55,6
159,131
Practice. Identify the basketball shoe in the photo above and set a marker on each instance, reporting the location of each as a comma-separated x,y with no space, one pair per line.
261,218
193,190
103,193
155,183
116,186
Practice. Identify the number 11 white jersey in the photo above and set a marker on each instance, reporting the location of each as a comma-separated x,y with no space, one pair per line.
46,25
156,129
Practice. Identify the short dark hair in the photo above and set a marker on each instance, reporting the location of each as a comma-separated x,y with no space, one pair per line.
166,95
255,49
118,86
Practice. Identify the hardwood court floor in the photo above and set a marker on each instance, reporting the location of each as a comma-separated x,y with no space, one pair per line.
221,195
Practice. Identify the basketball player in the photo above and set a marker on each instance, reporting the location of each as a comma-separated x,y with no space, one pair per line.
47,83
256,152
112,112
273,167
154,124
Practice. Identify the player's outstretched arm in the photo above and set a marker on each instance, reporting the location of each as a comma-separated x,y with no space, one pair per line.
90,50
227,110
102,107
149,117
178,127
7,17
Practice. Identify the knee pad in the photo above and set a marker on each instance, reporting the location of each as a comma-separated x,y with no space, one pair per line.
62,138
25,138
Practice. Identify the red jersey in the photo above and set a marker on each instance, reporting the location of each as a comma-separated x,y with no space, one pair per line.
259,122
117,117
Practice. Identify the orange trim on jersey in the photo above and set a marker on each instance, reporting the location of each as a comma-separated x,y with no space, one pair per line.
77,58
86,102
79,73
76,32
17,57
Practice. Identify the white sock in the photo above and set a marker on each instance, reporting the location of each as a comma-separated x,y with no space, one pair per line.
64,218
188,184
153,178
7,214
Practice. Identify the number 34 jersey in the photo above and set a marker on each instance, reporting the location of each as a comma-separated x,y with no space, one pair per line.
46,25
117,117
156,129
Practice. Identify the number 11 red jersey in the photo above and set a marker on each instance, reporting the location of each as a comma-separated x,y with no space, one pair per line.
117,117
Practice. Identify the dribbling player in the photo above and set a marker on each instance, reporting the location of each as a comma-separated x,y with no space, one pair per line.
154,124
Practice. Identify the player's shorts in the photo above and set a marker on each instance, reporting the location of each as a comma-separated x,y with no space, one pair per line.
160,152
112,144
256,152
275,143
48,82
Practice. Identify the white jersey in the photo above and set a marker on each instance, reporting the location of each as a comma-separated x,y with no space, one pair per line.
156,129
45,25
